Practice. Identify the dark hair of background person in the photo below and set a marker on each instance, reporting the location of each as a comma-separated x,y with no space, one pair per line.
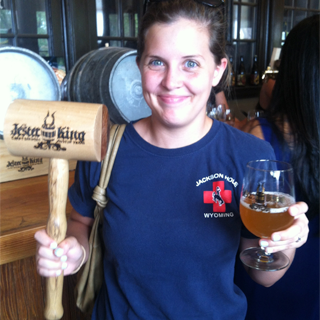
295,99
170,11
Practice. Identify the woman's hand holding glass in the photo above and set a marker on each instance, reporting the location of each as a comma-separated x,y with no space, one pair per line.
293,237
267,210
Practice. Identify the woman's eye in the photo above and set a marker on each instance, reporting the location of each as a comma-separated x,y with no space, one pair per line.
191,64
156,63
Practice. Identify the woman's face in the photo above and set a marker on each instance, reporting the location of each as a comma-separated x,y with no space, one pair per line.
178,71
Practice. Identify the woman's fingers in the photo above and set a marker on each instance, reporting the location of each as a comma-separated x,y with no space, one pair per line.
53,259
47,253
293,237
299,229
274,246
49,263
42,238
298,208
300,226
50,272
69,252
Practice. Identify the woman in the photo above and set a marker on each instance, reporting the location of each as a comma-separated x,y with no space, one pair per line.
170,249
292,126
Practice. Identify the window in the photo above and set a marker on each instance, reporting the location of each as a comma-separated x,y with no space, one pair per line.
295,11
5,24
117,22
26,28
255,27
117,25
243,34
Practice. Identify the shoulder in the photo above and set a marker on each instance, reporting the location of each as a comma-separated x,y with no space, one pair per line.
254,128
246,144
85,180
88,172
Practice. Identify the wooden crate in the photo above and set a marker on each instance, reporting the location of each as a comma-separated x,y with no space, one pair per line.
16,168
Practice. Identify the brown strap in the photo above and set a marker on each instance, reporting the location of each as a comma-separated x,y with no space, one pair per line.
99,192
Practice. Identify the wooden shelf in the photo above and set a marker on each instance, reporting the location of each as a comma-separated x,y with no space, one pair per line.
24,209
245,92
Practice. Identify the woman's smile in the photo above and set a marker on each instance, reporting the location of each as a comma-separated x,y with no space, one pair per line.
172,99
178,71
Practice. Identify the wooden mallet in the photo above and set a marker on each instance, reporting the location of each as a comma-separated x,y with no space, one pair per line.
60,131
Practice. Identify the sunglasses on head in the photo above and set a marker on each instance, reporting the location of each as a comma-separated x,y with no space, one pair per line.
209,3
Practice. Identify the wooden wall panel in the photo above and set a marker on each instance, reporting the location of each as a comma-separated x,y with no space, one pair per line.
22,293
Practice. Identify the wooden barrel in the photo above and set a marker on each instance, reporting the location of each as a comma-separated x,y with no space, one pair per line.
109,76
25,75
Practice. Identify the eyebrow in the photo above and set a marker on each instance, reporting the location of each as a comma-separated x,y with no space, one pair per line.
193,56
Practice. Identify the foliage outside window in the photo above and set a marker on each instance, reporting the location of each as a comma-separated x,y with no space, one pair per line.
42,29
5,26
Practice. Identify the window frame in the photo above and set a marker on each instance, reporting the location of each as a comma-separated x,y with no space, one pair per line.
122,38
16,35
294,10
260,41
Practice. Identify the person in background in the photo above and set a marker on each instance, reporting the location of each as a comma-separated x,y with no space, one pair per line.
266,94
221,99
292,126
170,249
218,97
267,88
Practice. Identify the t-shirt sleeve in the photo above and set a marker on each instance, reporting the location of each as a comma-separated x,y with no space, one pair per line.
80,193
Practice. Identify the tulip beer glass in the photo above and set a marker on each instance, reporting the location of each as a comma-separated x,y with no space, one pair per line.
267,193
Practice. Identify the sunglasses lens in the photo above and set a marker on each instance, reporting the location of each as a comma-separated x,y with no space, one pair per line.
212,3
148,2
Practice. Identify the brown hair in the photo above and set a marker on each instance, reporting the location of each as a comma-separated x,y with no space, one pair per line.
167,12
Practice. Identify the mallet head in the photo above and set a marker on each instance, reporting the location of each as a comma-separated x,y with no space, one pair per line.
51,129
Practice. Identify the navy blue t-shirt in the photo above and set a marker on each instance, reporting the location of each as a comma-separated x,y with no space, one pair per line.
172,227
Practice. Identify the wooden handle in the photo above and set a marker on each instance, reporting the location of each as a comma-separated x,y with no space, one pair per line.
56,229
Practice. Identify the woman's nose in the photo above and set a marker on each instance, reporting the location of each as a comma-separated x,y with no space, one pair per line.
172,78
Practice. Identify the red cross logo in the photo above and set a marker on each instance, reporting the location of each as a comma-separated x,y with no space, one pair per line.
219,197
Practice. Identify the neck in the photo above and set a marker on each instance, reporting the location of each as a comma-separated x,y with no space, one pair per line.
167,137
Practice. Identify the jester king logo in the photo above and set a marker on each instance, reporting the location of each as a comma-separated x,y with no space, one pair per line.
218,196
48,135
26,164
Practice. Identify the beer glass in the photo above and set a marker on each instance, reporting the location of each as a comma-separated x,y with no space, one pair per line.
230,117
267,193
254,114
218,112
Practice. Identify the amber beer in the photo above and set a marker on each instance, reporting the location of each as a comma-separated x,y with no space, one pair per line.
264,220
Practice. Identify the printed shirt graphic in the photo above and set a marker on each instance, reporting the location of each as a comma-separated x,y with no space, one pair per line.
218,196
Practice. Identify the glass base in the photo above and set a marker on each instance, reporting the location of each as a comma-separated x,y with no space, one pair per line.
258,259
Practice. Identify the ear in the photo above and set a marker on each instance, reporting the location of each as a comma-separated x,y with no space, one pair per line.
218,72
